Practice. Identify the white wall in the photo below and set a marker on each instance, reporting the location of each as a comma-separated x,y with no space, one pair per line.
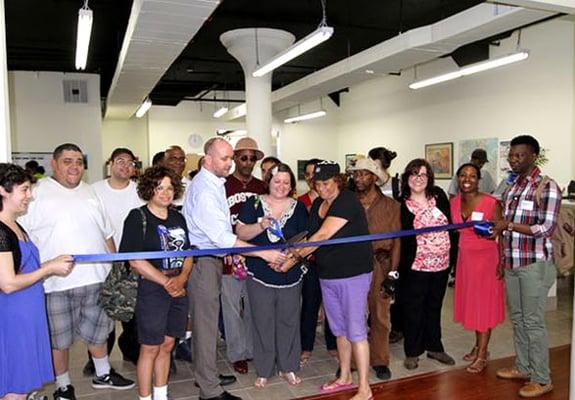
41,120
534,97
132,134
174,125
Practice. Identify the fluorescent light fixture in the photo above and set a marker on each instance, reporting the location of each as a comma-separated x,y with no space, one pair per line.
83,36
144,108
471,69
305,117
318,36
220,112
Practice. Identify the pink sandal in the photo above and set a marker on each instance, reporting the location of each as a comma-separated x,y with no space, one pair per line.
334,386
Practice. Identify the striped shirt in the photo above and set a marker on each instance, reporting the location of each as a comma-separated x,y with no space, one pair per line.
520,206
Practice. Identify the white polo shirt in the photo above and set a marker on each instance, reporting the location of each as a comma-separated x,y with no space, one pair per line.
68,221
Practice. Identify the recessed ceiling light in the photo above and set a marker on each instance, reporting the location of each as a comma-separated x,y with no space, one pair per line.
369,71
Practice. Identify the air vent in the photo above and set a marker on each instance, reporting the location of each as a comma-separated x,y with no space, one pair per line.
75,91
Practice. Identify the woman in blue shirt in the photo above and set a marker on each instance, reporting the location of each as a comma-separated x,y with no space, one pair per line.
274,296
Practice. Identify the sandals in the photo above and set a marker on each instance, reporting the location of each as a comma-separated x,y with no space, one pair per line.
290,377
260,382
304,358
335,386
472,355
477,366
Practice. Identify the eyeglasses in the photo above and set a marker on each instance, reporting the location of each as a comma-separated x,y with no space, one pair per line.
164,189
246,158
419,176
177,159
124,163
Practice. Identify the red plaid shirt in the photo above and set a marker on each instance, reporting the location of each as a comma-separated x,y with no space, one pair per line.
521,206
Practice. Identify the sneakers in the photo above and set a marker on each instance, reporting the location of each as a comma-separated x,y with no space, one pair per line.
511,373
184,351
441,356
534,389
113,380
67,394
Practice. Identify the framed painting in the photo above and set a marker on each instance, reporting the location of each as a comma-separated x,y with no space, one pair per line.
350,160
440,156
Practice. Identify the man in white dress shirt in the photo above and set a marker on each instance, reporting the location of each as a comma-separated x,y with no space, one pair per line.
208,218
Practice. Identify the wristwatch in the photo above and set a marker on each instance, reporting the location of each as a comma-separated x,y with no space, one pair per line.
510,226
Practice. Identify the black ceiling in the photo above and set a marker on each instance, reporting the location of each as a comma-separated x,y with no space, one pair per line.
41,36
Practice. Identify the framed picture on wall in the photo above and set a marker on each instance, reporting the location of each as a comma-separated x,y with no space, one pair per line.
301,170
440,156
350,160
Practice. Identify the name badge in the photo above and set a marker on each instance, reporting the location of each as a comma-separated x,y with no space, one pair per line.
477,216
436,212
527,205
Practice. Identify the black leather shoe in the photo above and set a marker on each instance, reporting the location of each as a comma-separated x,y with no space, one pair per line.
223,396
382,372
225,380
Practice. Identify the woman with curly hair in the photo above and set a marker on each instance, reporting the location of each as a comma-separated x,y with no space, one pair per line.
162,305
26,362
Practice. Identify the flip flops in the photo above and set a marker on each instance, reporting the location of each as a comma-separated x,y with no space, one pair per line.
334,386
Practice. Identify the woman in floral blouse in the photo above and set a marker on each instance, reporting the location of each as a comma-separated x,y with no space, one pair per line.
424,265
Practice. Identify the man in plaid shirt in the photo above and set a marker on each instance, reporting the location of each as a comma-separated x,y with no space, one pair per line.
526,254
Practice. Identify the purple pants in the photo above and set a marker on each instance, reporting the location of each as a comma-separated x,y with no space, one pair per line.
345,304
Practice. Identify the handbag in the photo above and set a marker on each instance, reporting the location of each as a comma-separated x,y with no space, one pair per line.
119,291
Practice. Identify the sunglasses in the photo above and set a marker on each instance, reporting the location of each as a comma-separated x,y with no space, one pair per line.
246,158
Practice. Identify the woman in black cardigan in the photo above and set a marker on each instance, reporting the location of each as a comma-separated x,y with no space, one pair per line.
424,265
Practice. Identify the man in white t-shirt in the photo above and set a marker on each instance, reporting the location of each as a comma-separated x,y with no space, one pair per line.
119,195
66,216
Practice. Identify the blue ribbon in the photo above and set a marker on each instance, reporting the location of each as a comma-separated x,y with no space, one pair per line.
150,255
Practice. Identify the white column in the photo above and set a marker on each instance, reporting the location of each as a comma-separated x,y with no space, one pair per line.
5,146
249,46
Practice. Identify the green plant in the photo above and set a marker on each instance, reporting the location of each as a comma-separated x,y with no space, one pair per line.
541,158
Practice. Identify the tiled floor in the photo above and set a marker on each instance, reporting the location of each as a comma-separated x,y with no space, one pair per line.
321,366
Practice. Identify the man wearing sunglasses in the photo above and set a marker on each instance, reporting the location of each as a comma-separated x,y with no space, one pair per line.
240,186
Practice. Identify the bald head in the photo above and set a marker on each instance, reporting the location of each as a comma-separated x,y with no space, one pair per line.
219,156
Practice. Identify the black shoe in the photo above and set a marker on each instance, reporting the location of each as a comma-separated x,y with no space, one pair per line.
184,351
382,372
113,380
223,396
225,380
89,369
441,356
395,336
67,394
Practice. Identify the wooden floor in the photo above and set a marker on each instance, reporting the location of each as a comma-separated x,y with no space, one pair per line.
458,384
